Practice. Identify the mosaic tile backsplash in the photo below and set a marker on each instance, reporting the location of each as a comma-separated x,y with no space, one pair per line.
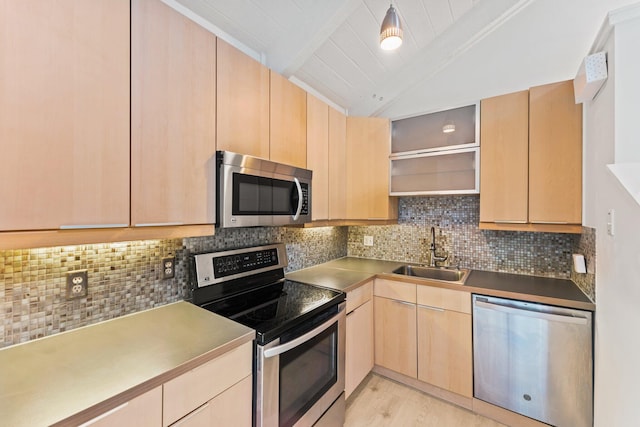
126,277
456,219
586,246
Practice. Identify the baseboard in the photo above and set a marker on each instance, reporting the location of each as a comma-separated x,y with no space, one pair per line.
504,416
456,399
477,406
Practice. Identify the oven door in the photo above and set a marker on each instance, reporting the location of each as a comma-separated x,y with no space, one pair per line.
298,378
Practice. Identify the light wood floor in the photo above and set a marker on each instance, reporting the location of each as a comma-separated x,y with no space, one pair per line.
379,401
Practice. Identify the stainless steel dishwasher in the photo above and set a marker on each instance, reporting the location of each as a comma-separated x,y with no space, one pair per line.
534,359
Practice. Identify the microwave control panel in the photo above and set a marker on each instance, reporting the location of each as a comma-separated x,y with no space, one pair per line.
305,199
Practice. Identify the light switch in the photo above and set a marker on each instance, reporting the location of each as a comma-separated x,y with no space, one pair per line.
611,222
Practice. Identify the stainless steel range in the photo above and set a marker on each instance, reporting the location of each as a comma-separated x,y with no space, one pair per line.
300,333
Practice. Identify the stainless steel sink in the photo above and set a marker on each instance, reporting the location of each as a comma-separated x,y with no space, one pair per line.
458,276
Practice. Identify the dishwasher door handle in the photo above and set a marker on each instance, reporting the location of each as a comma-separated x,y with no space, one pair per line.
531,313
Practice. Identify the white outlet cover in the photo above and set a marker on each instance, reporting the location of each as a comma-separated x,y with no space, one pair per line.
368,240
611,230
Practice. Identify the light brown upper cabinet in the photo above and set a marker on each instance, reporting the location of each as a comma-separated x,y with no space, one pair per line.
288,122
544,191
243,103
337,164
64,114
555,155
318,155
326,157
368,148
504,163
173,117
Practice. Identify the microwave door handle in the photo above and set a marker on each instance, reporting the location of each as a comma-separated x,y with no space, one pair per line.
299,187
304,338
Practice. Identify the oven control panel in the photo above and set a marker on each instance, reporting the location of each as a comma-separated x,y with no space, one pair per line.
216,267
229,265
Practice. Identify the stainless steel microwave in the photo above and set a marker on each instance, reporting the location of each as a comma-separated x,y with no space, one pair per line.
257,192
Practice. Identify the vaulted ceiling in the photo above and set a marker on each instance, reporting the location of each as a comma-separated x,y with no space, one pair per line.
455,52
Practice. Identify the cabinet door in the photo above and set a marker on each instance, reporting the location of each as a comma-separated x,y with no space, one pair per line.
288,122
318,155
173,117
395,335
504,159
444,349
64,114
231,408
359,346
243,103
337,164
368,145
555,155
142,411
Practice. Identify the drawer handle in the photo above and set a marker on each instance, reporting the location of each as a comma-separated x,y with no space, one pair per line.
429,307
87,226
507,221
403,302
191,415
158,224
550,222
105,415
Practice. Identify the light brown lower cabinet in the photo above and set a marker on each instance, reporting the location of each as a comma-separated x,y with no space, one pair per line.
142,411
188,393
444,339
424,333
217,392
395,326
444,349
359,342
230,408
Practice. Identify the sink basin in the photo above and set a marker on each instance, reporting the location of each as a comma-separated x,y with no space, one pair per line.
434,273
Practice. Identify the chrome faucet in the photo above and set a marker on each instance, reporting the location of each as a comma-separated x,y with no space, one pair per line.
434,259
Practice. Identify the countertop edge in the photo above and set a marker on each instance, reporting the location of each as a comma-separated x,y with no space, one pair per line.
358,284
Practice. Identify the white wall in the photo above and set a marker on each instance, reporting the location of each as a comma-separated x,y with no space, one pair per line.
612,122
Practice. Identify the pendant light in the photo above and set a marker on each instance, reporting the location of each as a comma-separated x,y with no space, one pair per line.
391,30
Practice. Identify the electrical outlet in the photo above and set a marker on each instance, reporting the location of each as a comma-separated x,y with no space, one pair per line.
77,284
368,240
168,267
611,218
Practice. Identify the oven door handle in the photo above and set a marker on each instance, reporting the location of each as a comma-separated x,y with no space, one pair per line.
275,351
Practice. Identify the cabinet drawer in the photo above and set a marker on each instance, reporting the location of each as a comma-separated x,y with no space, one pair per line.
142,411
395,290
359,296
196,387
231,408
444,298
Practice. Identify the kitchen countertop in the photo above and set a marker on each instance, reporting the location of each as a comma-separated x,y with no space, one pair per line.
343,274
104,365
346,274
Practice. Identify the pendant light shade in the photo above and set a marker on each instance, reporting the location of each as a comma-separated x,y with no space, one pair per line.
391,30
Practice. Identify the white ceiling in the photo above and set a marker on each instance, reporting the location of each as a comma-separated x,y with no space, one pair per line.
455,52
